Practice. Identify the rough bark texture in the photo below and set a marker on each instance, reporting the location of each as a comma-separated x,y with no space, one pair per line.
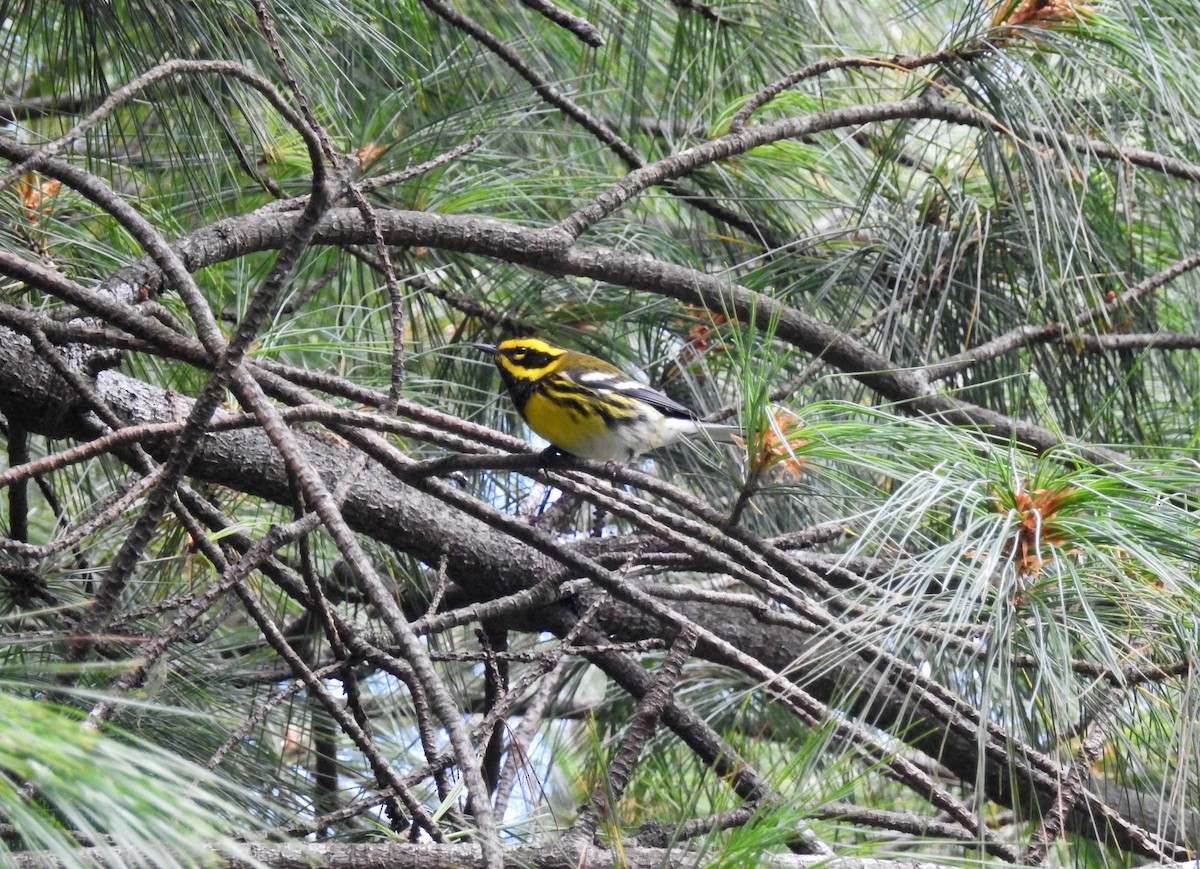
485,563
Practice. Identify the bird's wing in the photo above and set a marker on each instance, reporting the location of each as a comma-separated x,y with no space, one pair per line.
654,398
617,381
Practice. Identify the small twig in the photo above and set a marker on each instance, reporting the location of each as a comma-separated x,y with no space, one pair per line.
1133,341
458,302
1072,787
493,639
828,64
656,835
439,587
1119,676
581,27
296,301
541,593
260,714
908,823
638,732
102,515
704,10
826,532
100,305
31,108
745,492
151,610
649,644
1028,334
369,185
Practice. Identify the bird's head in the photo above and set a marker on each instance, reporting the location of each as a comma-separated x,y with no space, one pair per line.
524,359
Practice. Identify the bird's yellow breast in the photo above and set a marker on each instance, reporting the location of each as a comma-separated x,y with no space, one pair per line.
570,428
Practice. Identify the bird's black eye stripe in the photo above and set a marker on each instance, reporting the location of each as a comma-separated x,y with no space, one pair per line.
527,358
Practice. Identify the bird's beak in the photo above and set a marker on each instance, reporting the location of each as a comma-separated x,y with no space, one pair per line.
489,349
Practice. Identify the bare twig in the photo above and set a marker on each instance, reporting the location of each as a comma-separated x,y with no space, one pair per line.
260,714
586,119
1164,340
705,10
1027,335
368,185
581,27
39,107
18,495
638,733
1072,787
828,64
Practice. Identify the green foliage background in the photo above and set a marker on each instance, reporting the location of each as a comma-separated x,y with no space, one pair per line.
1018,582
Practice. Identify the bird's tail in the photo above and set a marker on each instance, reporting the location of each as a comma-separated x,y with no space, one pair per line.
719,431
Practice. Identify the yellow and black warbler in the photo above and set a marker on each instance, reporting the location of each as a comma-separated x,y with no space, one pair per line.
589,408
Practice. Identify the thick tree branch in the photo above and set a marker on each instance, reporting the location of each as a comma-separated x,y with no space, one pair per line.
484,559
547,251
545,855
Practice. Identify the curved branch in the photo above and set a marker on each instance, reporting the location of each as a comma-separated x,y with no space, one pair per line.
603,132
923,107
128,91
544,250
829,64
